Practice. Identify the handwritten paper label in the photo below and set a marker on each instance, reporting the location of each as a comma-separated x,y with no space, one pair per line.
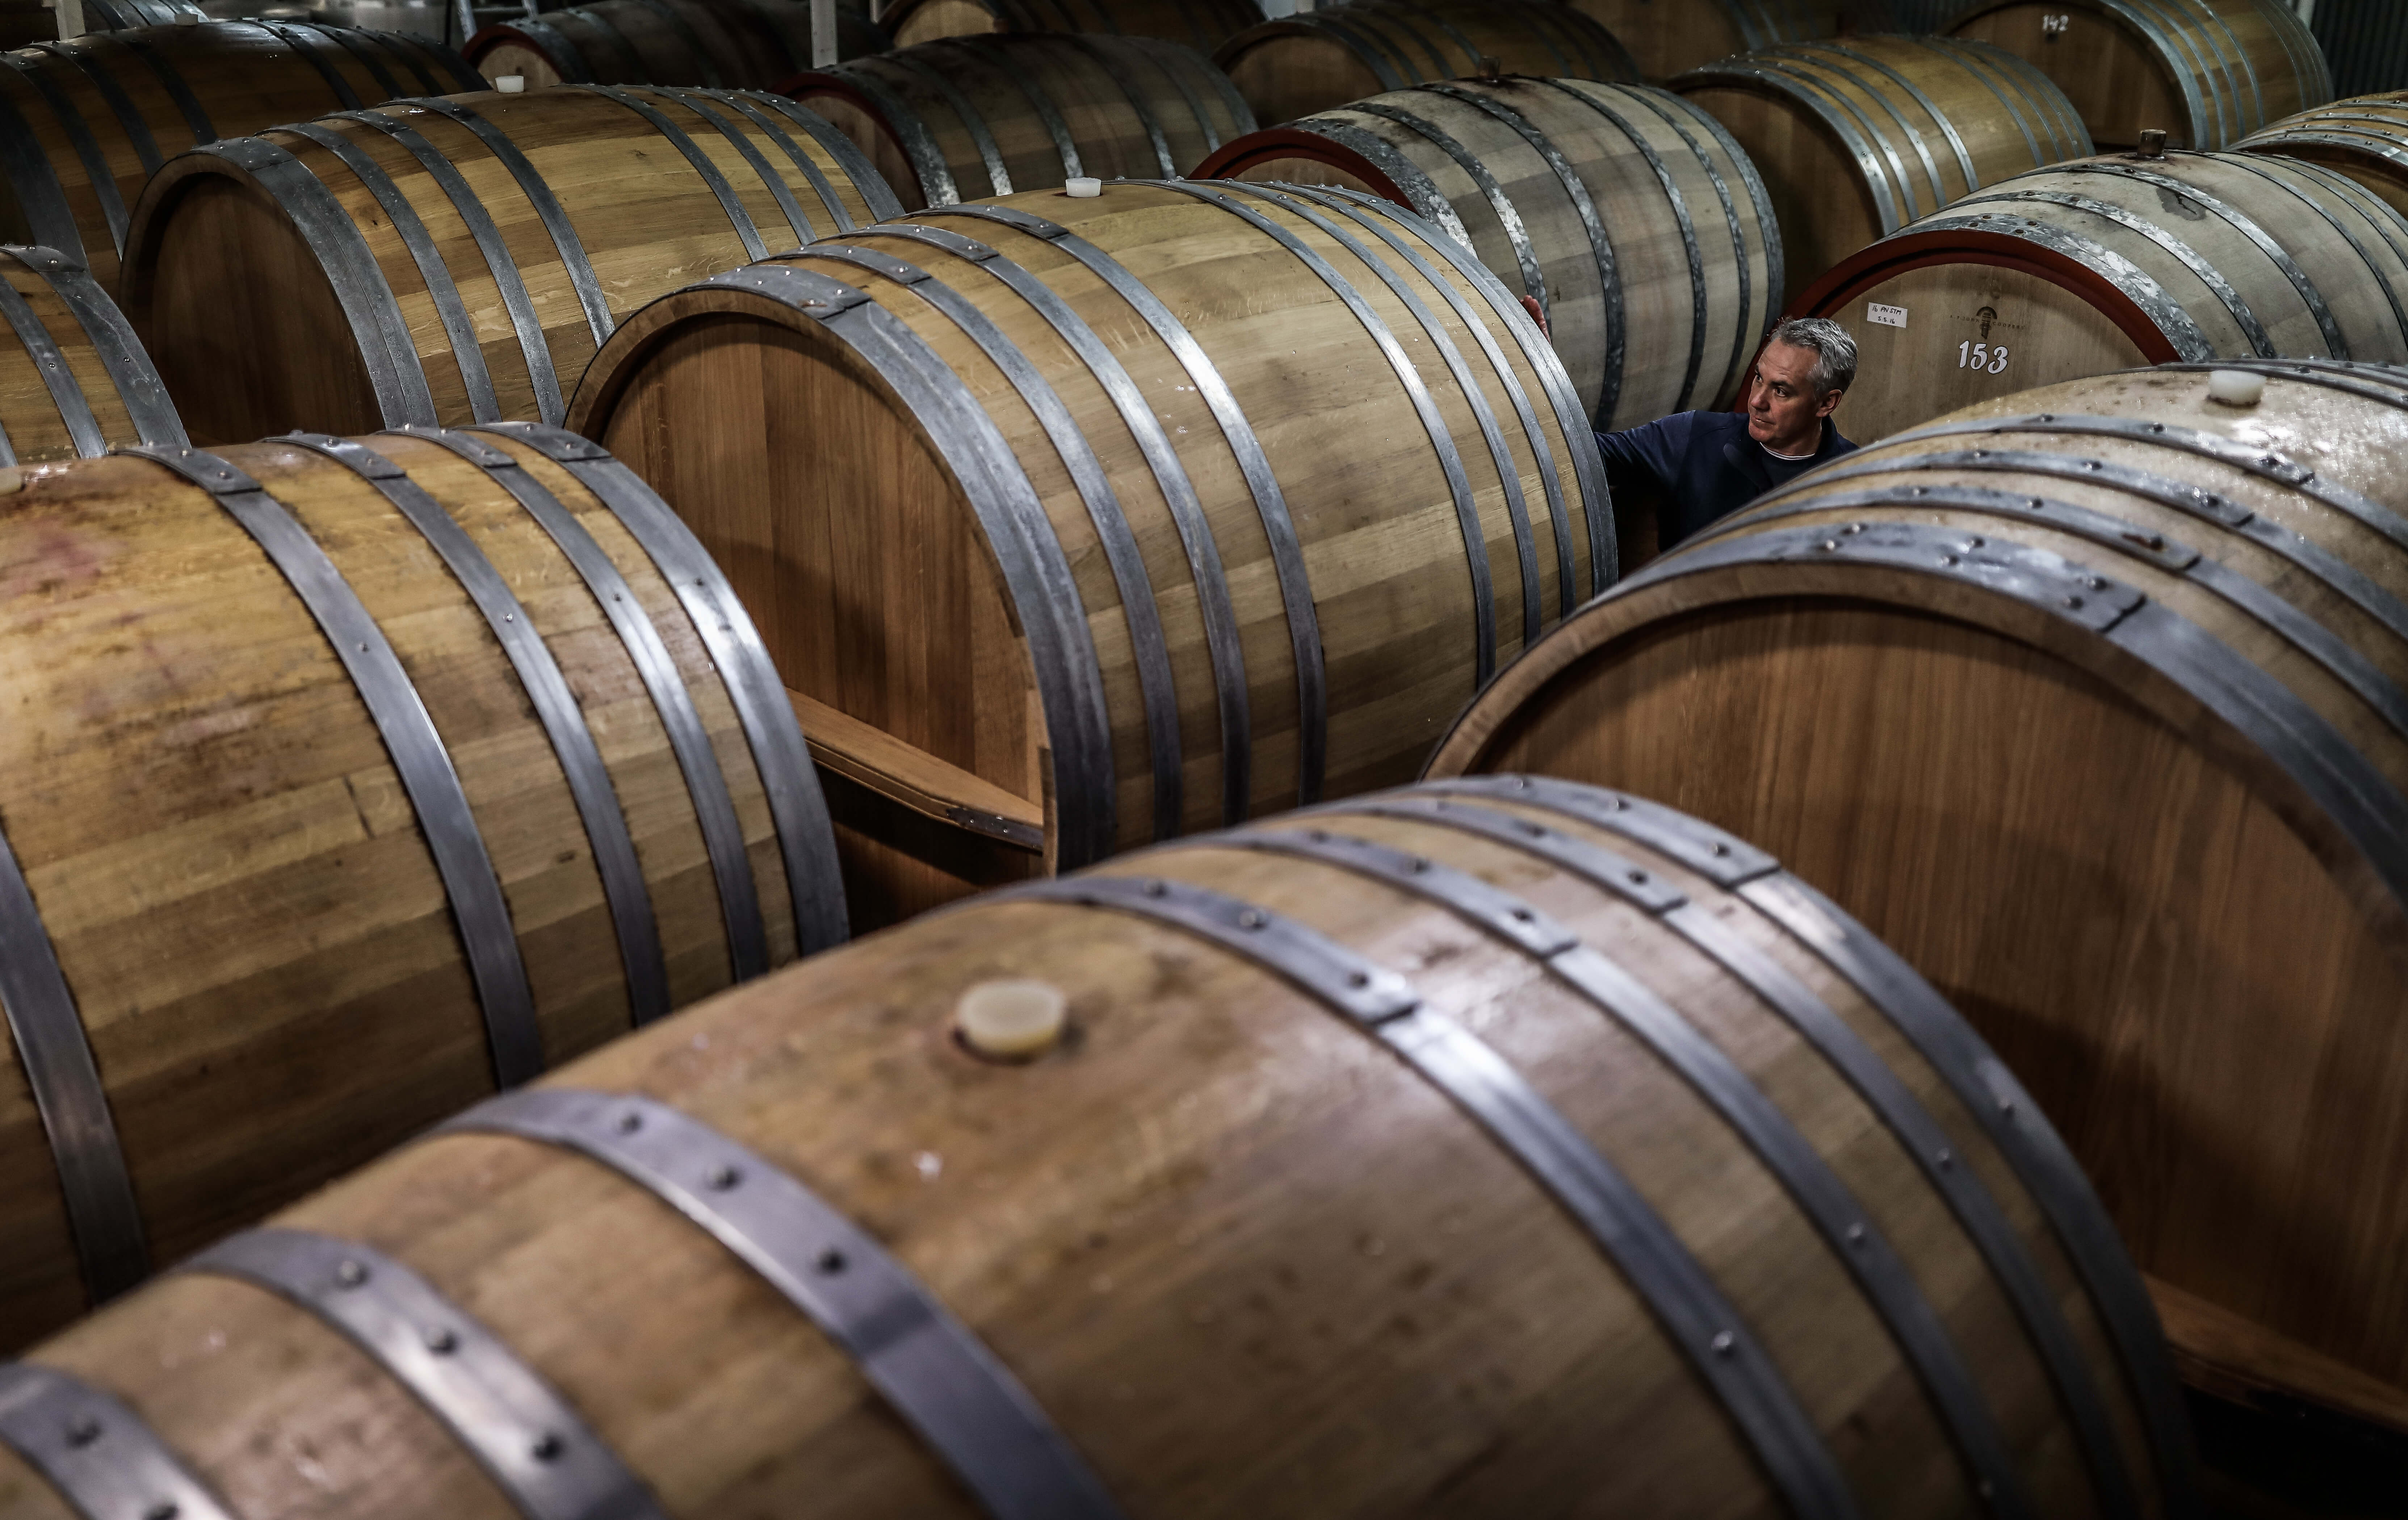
1888,316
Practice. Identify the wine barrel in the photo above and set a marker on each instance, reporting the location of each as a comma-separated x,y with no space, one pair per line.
1201,24
1641,230
2207,72
1317,59
117,15
1059,594
2364,137
85,121
968,117
75,380
2111,261
1857,139
1496,1151
477,248
2093,701
25,22
346,780
718,44
1667,39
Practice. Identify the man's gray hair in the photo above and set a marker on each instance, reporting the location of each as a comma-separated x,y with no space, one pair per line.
1835,351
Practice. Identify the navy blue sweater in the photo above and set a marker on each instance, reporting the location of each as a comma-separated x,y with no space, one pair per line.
1704,465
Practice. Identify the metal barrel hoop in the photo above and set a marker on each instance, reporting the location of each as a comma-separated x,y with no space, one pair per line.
87,150
459,327
1509,216
480,910
717,183
764,713
698,102
1743,334
528,1438
990,156
534,347
1509,476
555,706
1541,453
1262,485
933,1370
2136,284
1681,1296
102,1457
689,741
1149,647
66,392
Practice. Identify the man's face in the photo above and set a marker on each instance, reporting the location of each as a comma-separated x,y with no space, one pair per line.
1783,412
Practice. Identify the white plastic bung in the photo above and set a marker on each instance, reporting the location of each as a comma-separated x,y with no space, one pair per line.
511,84
1012,1019
1082,187
12,479
2236,387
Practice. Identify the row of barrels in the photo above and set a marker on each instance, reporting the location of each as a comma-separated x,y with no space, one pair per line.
1951,1323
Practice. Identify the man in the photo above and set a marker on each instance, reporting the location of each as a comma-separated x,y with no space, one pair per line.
1706,465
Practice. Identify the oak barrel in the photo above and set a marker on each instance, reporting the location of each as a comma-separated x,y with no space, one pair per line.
1317,59
1641,230
1667,37
2207,72
25,22
2093,701
477,248
2365,137
1090,521
345,781
718,44
1201,24
968,117
74,381
2109,262
1466,1150
1857,139
84,123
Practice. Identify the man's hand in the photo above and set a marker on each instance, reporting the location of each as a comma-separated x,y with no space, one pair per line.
1530,305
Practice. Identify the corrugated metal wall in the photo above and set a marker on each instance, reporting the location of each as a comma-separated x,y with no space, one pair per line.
2366,41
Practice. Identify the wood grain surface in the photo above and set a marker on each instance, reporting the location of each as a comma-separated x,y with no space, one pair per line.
718,44
1201,24
888,511
268,965
2365,137
1333,54
2103,262
1667,37
1656,293
2205,72
72,401
1248,1260
91,118
1855,138
2156,897
270,303
1046,106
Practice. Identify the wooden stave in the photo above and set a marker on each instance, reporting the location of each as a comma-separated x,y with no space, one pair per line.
458,1190
713,44
1719,28
2166,293
1121,772
1201,24
78,379
518,352
71,103
2303,607
1867,102
934,153
2363,136
1392,44
2194,45
183,1190
1421,128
